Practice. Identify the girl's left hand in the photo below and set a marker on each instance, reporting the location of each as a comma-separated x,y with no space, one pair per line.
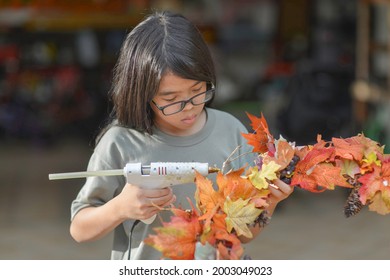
281,191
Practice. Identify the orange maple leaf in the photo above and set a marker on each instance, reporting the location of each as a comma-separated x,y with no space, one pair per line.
349,148
261,137
206,197
177,239
355,148
210,230
229,246
214,222
329,176
234,185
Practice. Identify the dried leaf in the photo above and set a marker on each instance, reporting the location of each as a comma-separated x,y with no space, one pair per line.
375,188
206,197
328,176
240,213
176,239
260,178
261,137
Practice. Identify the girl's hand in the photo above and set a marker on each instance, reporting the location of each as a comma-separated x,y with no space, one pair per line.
92,223
280,192
140,204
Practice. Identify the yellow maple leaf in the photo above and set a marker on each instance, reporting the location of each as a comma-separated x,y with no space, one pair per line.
380,203
260,178
372,158
239,214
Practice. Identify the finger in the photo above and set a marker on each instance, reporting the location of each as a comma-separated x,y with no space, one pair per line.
162,201
156,193
276,192
283,187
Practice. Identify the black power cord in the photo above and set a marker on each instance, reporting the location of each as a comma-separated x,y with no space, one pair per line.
130,236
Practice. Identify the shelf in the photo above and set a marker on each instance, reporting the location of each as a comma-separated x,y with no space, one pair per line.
56,21
73,22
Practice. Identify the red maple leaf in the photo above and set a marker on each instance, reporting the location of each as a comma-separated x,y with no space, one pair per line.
303,175
374,182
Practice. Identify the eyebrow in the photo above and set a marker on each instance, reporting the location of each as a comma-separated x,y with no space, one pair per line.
165,93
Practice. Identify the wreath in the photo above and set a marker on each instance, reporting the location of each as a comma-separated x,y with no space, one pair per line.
211,228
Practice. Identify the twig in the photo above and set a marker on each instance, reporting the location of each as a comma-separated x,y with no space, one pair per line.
229,160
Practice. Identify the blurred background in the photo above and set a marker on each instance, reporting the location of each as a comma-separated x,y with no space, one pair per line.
319,66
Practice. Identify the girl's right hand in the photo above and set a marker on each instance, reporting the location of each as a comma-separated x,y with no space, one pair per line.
140,203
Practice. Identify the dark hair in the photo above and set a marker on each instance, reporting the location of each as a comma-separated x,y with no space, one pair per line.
162,42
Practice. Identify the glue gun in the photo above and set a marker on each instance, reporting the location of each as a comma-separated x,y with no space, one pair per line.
155,175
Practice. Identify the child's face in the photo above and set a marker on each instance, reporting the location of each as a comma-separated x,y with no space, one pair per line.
173,89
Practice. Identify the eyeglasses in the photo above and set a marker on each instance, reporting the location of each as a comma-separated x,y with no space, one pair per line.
178,106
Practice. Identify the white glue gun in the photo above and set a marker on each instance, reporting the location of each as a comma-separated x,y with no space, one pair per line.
155,175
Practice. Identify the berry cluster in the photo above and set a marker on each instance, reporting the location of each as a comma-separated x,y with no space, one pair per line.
286,174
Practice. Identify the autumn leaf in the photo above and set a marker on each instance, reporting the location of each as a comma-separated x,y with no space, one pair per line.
329,176
305,167
302,151
369,145
261,137
177,239
233,184
375,188
348,167
355,148
372,159
349,148
320,152
229,246
206,197
228,212
212,227
284,153
368,162
240,213
260,178
380,202
306,182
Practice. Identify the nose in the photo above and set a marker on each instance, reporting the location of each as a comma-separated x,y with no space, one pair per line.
188,105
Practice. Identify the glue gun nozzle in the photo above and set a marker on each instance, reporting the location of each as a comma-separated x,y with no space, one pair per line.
214,170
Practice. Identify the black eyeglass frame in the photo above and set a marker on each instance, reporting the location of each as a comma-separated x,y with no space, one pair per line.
185,102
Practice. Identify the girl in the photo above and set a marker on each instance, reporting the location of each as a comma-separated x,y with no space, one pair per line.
164,81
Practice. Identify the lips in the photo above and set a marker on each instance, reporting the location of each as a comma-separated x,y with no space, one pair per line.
190,119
